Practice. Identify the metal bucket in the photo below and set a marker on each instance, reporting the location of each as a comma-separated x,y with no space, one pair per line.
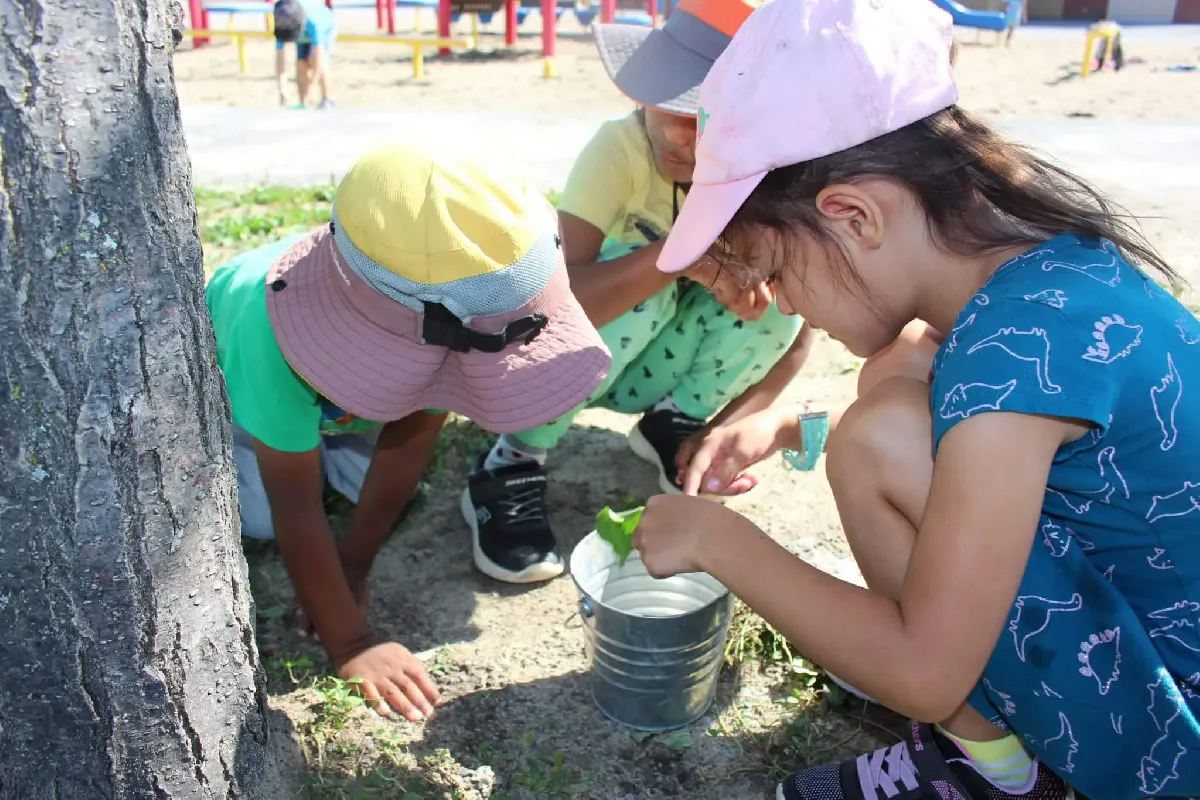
656,646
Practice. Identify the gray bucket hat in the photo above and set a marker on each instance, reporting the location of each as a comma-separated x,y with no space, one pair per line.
664,67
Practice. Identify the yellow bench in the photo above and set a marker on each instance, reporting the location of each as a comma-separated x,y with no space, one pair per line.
1103,31
417,43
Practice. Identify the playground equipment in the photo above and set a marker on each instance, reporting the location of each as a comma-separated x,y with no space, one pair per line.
417,43
448,12
515,12
447,9
969,18
1103,31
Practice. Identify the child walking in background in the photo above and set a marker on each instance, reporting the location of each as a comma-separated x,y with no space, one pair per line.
683,350
1015,15
311,26
1026,511
334,343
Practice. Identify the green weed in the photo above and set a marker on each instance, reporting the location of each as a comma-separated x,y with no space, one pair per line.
232,222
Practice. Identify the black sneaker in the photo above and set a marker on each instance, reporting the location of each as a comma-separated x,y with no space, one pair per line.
506,511
657,438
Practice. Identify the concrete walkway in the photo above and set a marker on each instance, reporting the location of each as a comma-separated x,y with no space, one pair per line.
1149,166
241,147
244,147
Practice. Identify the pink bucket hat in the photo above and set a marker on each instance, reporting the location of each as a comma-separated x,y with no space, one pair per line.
804,79
440,284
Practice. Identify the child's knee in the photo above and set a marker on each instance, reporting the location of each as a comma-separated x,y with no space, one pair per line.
881,432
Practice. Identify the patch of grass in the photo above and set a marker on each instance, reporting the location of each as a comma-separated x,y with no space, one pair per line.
232,222
458,447
346,757
798,731
754,640
533,769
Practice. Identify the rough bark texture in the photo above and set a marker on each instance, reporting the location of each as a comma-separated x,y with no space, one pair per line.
128,667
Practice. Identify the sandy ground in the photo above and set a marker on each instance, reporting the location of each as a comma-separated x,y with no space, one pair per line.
520,722
1036,77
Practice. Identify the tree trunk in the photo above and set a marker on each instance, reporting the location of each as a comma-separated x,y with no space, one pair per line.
128,667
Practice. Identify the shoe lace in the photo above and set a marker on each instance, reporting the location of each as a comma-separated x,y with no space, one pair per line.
885,768
525,505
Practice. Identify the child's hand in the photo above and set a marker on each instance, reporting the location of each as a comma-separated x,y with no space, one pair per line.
717,462
684,458
393,679
744,293
672,530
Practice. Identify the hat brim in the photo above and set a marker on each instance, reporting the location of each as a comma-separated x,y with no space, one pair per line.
651,67
705,213
364,351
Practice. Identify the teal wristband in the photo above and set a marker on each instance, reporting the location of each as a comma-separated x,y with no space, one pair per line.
814,431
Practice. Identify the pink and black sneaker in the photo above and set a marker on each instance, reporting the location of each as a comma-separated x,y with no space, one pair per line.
925,766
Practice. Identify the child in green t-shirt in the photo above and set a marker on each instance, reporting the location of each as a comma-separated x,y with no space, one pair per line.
439,284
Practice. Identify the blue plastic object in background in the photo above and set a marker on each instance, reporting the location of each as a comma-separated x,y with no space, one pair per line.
969,18
625,17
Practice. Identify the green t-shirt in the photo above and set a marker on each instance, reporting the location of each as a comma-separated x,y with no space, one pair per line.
270,401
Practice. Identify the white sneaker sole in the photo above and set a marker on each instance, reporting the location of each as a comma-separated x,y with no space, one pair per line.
845,687
646,452
536,573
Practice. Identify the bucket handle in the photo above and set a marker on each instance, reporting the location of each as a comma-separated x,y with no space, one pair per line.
584,612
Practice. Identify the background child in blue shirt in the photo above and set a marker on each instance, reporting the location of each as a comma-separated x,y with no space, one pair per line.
310,24
1015,15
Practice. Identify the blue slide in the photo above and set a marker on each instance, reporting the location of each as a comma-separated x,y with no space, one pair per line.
967,18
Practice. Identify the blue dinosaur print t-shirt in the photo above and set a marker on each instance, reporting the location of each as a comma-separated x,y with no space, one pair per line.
1070,329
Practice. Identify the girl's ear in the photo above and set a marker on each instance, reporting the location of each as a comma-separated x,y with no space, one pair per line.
853,213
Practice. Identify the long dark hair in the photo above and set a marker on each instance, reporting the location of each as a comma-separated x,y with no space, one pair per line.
980,191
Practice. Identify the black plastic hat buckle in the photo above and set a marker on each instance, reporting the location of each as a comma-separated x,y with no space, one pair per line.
442,329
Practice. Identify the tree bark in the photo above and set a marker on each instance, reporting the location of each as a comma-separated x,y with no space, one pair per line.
128,667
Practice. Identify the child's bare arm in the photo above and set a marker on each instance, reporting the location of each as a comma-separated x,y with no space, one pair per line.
401,453
294,483
391,678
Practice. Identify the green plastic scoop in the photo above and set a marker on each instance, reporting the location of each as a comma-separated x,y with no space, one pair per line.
617,529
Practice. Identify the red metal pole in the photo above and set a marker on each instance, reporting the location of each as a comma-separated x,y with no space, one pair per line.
199,20
549,27
444,15
608,11
510,23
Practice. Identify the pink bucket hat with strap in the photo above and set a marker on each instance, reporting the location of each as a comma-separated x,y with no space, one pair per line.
440,283
804,79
